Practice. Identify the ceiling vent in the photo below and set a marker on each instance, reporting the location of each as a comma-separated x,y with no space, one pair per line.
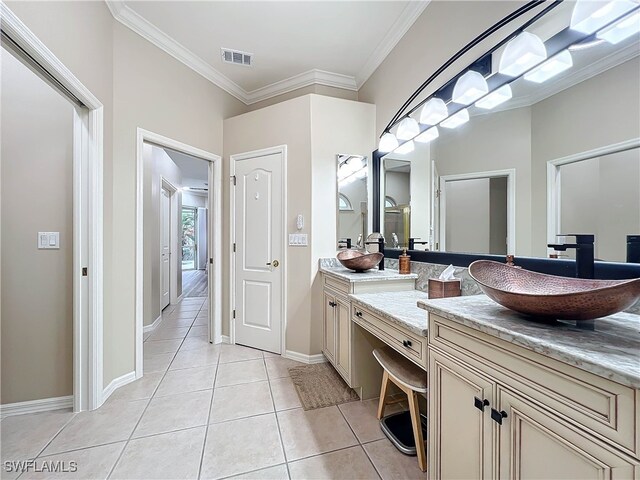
236,57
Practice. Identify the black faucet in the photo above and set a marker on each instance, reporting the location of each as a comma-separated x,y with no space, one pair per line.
584,253
380,243
413,243
346,242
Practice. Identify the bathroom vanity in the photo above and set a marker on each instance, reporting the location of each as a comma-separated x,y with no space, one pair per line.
513,398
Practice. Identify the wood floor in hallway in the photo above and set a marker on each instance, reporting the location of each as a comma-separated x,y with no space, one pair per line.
194,283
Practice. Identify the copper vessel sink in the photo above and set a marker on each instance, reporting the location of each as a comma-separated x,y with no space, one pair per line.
358,261
550,296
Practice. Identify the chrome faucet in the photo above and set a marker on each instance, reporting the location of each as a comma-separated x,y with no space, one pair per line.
584,253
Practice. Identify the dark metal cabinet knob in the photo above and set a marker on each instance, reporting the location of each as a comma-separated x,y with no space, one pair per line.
406,343
358,314
497,416
332,304
480,404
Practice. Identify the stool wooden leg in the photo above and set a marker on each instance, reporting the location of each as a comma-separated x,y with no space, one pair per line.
383,394
414,408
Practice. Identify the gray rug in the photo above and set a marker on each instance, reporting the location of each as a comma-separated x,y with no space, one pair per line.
319,385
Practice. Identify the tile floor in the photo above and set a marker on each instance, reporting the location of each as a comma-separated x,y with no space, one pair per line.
206,411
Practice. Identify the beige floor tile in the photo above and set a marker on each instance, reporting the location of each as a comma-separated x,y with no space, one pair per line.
391,463
284,393
279,472
171,455
175,412
112,422
240,401
169,333
270,354
24,436
241,446
195,308
362,417
191,315
238,353
240,372
201,321
278,367
313,432
351,463
178,322
204,312
198,331
194,342
145,336
187,380
156,363
162,346
139,389
91,463
205,354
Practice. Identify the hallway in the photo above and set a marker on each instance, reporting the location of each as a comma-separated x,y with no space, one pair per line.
194,283
206,411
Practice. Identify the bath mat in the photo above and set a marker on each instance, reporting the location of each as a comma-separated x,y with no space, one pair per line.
319,385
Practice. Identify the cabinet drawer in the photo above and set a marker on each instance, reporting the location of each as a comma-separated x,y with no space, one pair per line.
338,285
606,408
412,346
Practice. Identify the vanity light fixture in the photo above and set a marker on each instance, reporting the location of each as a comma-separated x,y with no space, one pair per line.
495,98
388,143
428,135
550,68
407,129
590,16
405,148
621,30
454,121
433,112
522,53
470,87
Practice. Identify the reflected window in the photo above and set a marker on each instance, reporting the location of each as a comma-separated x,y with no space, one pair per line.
389,202
344,204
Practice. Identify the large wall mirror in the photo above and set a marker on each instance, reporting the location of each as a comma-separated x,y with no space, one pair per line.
352,202
557,154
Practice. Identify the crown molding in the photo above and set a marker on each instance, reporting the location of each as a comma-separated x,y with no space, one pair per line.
134,21
400,27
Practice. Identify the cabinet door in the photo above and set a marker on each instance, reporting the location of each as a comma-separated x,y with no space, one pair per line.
343,343
329,327
460,433
535,444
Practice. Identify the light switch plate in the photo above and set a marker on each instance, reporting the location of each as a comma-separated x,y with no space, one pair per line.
48,240
298,240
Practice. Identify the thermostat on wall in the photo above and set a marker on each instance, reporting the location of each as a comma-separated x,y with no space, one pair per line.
298,240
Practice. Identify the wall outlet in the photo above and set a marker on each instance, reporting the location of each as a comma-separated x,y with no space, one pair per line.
48,240
298,240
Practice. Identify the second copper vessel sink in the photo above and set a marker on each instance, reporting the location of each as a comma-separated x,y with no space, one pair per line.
550,296
358,261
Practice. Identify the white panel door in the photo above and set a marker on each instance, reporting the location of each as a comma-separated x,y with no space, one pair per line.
259,252
165,247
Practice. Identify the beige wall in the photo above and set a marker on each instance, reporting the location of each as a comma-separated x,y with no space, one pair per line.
468,216
36,161
315,128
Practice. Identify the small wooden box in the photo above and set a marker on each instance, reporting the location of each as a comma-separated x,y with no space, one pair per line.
444,288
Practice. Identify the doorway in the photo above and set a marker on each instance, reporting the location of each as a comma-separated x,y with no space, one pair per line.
258,238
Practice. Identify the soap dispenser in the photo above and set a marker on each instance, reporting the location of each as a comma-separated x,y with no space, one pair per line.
404,263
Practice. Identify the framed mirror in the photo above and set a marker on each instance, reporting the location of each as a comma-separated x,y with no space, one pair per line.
352,202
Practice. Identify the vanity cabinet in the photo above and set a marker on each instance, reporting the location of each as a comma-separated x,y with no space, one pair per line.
500,411
337,333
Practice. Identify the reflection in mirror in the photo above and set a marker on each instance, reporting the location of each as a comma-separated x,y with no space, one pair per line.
601,195
352,199
397,212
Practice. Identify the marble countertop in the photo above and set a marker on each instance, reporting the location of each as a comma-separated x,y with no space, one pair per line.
611,351
400,308
331,266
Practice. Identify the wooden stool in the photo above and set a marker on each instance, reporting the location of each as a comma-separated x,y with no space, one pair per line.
412,380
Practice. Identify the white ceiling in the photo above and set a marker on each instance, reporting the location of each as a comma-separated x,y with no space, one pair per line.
195,171
295,44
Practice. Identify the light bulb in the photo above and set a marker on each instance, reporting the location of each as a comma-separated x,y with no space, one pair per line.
590,16
433,112
552,67
454,121
388,143
495,98
428,135
407,129
469,87
522,53
621,30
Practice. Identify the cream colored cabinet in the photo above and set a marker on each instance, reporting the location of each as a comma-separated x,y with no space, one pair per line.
336,332
498,411
329,327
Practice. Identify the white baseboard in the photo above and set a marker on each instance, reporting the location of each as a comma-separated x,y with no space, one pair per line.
35,406
301,357
117,383
226,339
154,325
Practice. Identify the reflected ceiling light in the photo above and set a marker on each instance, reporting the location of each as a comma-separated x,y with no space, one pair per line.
626,27
433,112
355,163
591,15
388,143
522,53
428,135
469,87
495,98
405,148
552,67
456,120
407,129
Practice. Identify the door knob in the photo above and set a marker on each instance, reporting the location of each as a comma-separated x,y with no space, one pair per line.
275,263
